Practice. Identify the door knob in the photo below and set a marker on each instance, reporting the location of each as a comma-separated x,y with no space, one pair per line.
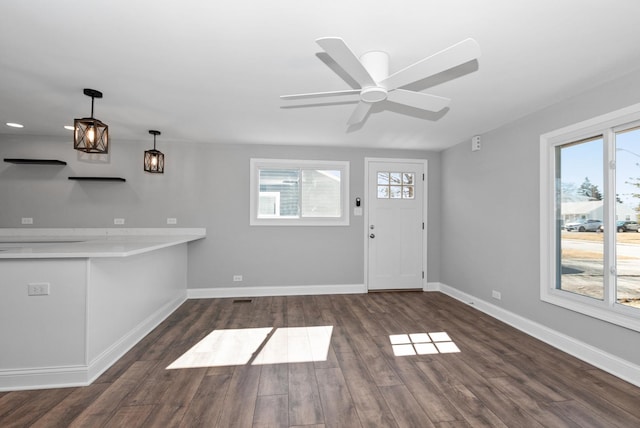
372,236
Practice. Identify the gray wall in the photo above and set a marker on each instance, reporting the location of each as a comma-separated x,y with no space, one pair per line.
490,217
203,186
483,211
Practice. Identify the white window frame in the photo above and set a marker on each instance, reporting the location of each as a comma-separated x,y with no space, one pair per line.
257,164
608,309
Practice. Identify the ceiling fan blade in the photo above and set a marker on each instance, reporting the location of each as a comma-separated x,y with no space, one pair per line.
359,113
345,58
418,100
465,51
320,94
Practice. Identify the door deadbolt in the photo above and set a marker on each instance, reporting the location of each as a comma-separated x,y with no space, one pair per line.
372,236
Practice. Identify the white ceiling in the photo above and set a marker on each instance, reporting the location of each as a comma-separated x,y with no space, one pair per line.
212,70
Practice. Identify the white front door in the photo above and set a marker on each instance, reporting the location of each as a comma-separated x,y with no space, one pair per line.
395,224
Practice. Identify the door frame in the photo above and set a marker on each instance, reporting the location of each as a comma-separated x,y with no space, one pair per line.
425,199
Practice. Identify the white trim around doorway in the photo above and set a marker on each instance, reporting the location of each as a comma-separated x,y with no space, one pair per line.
425,199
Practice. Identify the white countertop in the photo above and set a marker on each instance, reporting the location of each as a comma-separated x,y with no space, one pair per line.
89,243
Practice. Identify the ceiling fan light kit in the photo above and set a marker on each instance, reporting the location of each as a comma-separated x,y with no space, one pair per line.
371,72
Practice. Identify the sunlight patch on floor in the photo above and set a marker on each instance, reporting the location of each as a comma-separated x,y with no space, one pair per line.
234,347
422,344
296,345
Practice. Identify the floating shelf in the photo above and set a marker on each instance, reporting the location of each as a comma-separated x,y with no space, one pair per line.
98,178
21,161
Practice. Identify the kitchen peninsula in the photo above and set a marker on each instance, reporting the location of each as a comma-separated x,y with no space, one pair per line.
73,301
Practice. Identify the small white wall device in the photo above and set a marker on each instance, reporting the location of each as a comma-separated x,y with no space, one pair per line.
475,143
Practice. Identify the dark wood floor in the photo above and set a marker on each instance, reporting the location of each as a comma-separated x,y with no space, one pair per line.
501,377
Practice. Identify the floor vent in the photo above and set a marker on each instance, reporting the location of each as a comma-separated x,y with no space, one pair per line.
242,300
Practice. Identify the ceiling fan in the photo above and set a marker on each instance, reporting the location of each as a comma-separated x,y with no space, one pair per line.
371,72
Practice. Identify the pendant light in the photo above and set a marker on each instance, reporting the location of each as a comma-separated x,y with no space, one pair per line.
154,159
90,134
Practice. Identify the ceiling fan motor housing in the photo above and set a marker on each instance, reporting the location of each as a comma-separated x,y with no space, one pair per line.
377,64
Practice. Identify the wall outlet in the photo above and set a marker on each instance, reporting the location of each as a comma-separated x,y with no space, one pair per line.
172,220
118,221
496,295
237,278
27,220
38,289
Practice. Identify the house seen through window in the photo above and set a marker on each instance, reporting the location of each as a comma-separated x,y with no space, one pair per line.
591,202
290,192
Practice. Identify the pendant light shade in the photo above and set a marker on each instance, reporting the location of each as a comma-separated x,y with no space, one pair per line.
154,159
90,134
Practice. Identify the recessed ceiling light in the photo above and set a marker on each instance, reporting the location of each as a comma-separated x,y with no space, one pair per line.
15,125
69,127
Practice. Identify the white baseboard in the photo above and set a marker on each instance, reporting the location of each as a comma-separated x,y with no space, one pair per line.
63,377
432,286
294,290
597,357
43,378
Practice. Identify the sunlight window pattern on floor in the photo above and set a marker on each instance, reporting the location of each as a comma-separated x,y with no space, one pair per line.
256,346
422,344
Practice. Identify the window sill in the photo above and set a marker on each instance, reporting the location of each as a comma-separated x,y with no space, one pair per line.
618,314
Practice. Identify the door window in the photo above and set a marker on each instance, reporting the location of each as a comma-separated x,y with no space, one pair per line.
396,185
